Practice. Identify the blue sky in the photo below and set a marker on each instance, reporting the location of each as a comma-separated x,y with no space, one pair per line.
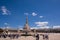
13,12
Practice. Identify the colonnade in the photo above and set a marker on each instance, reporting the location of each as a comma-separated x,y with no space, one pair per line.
37,36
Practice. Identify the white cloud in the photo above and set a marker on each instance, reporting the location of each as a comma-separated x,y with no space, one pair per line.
42,24
26,13
34,27
41,16
56,26
20,27
5,23
34,14
45,27
5,11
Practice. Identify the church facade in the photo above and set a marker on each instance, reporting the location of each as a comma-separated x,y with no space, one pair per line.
29,34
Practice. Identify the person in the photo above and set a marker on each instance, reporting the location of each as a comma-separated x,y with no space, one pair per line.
37,37
45,37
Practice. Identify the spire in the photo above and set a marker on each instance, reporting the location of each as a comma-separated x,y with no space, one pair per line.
26,19
26,26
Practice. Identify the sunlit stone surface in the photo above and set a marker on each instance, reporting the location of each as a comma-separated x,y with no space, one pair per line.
52,36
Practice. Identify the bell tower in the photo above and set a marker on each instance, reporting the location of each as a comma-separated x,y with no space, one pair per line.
26,26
